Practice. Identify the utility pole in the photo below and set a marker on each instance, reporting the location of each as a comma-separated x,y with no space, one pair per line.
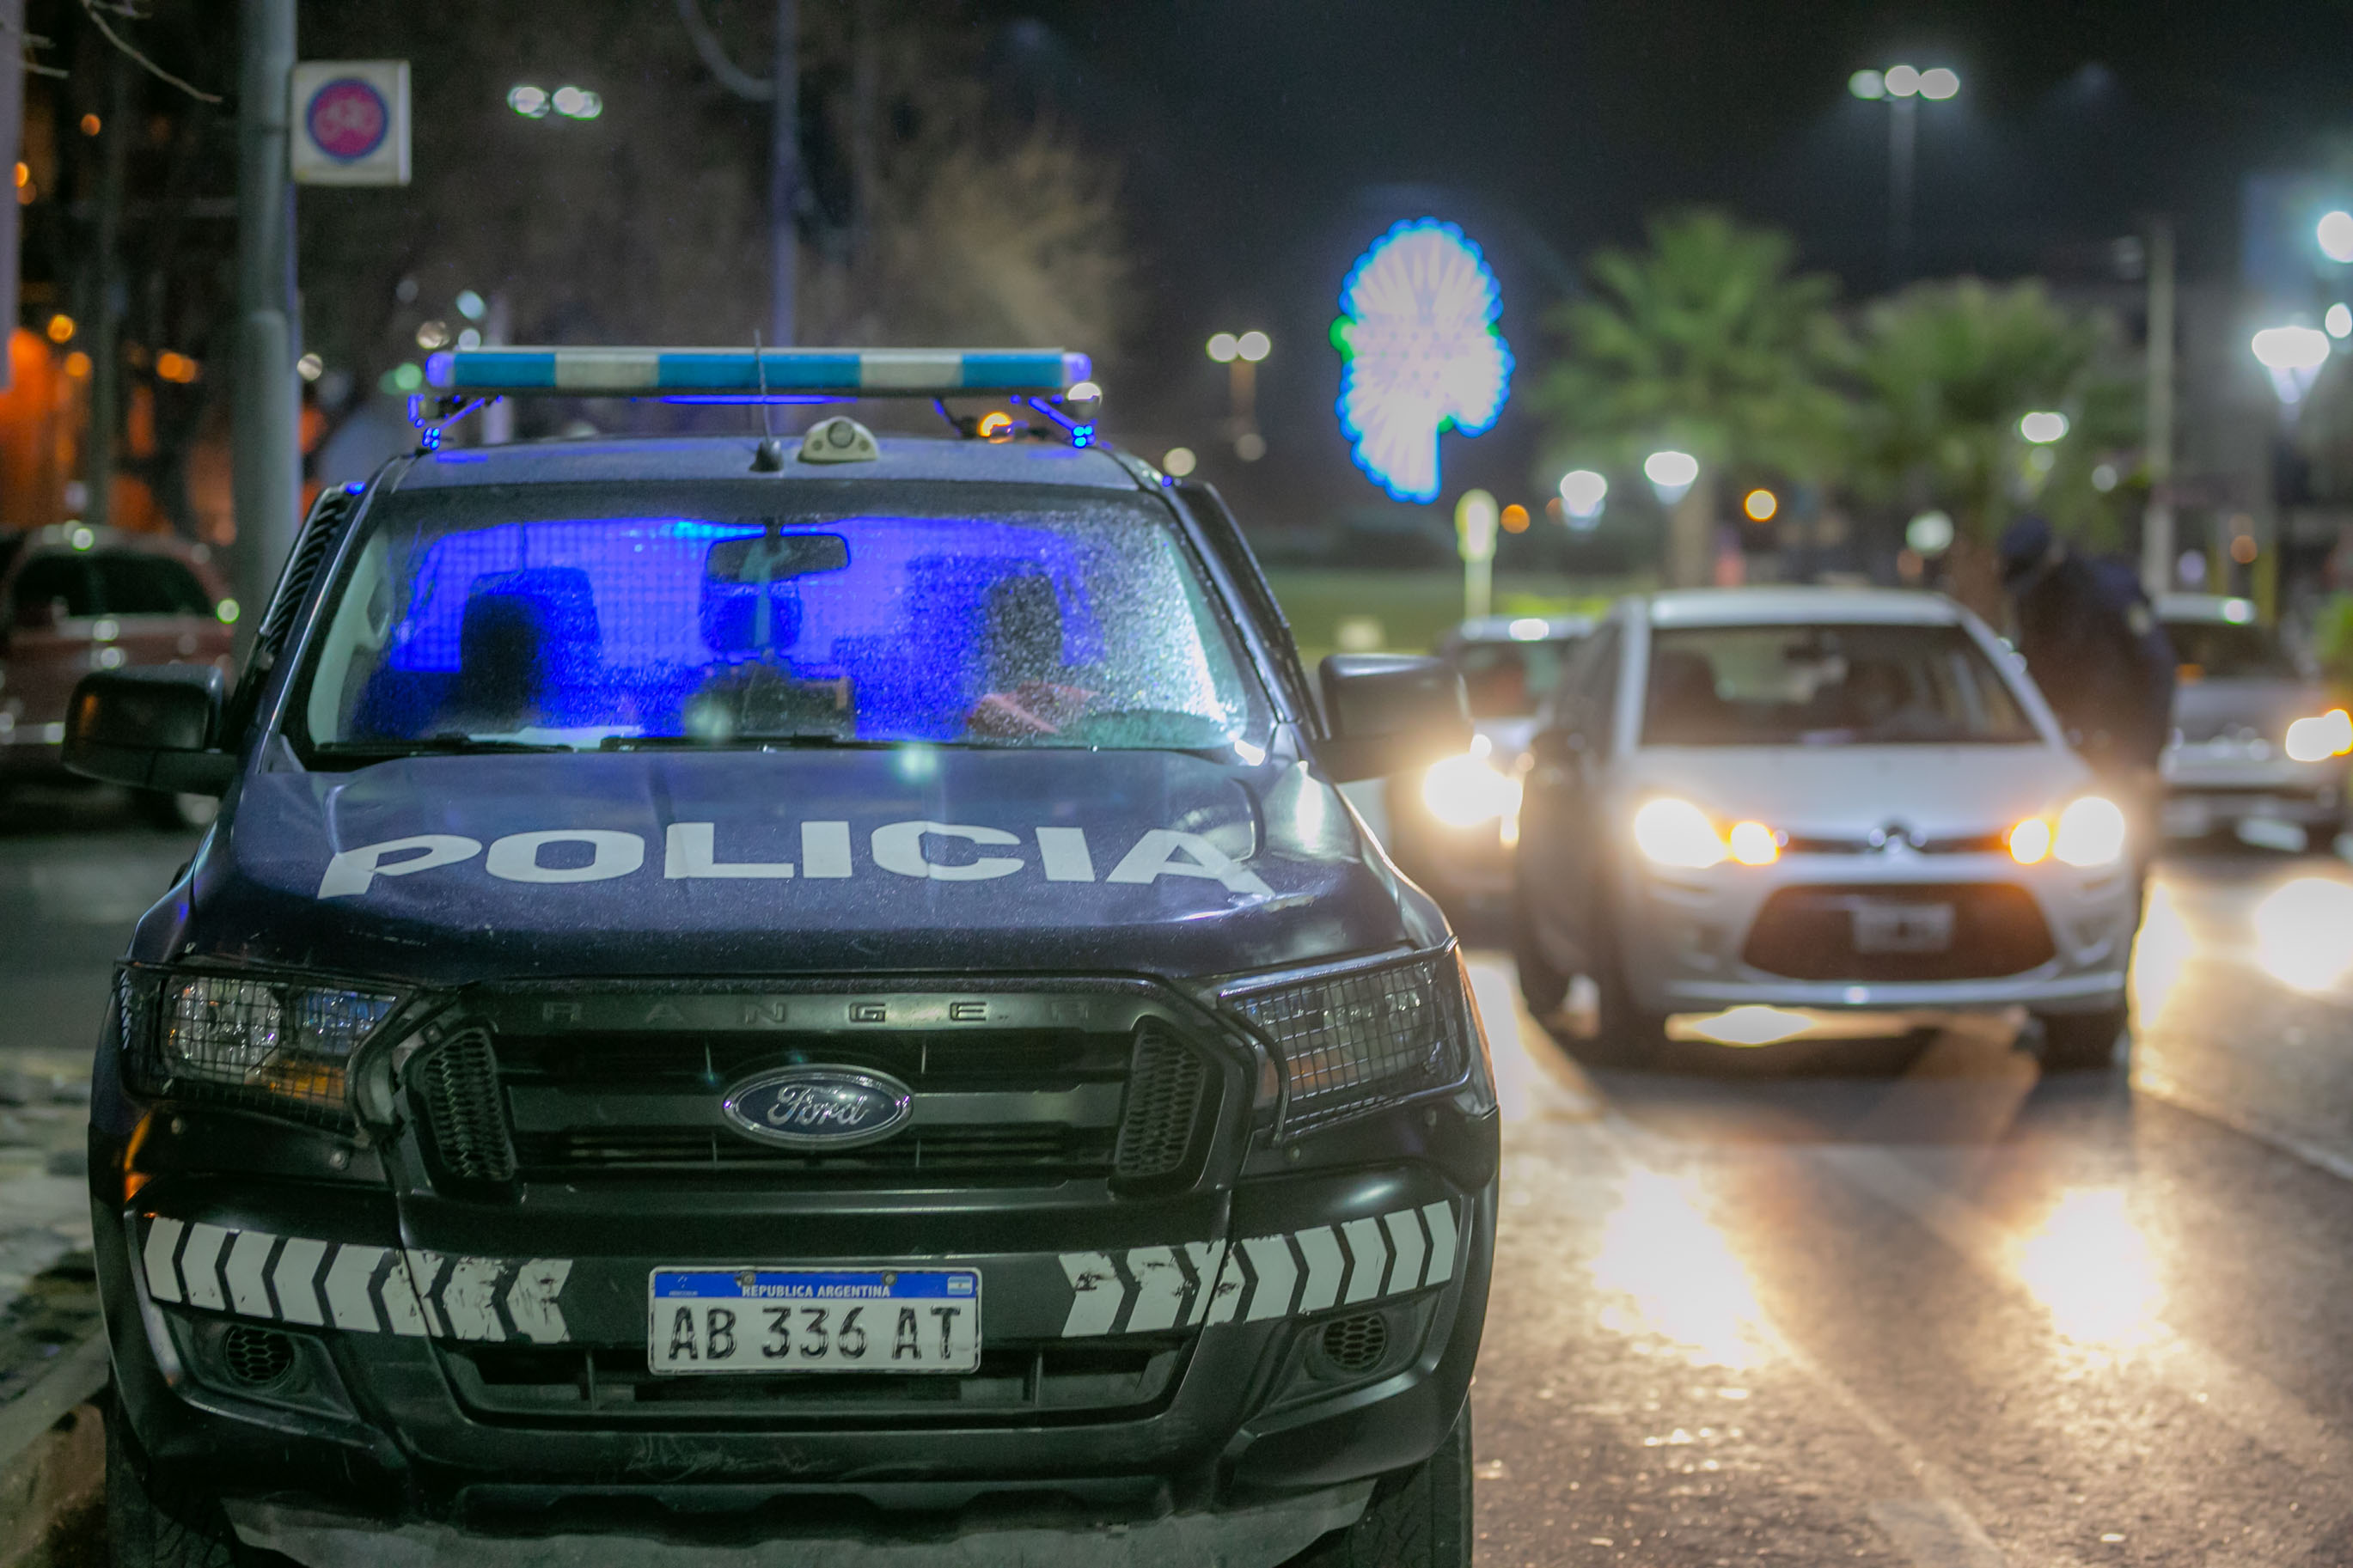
268,475
106,320
784,176
1903,155
2157,541
865,88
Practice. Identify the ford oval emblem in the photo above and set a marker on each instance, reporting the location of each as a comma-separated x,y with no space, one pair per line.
818,1107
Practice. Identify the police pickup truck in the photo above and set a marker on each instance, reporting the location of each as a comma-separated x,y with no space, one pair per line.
813,998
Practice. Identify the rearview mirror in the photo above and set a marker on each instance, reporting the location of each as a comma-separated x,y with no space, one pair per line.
1386,712
775,558
151,729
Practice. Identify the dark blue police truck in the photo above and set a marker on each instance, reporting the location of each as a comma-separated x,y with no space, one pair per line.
795,992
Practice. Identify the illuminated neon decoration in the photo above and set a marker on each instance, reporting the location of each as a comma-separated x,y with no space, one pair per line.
1421,353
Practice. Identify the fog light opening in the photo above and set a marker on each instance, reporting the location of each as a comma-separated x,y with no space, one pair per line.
256,1358
1357,1344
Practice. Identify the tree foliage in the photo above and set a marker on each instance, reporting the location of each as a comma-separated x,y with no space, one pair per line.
1707,341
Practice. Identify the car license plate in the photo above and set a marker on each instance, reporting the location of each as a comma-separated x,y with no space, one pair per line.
813,1320
1881,927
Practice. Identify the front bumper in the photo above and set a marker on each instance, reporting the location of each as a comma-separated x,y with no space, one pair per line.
2211,787
441,1388
1688,938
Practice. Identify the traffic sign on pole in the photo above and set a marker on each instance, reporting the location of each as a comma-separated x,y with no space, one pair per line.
350,122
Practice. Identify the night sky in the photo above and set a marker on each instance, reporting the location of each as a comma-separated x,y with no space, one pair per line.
1265,143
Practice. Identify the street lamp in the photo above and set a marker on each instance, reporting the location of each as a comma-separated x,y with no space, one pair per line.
1240,353
2334,233
1671,473
2293,356
1582,493
1902,87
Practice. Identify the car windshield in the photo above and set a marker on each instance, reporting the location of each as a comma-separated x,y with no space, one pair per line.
1826,686
584,618
1510,679
2230,650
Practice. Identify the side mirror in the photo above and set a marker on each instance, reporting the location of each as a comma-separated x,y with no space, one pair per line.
1386,712
150,729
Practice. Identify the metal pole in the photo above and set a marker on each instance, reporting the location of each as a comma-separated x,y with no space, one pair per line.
106,321
268,475
2157,540
865,92
497,325
1903,142
784,176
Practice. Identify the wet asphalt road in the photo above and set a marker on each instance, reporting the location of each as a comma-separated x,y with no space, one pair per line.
1901,1302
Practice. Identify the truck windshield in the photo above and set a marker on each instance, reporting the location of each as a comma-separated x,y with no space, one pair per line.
1826,686
585,618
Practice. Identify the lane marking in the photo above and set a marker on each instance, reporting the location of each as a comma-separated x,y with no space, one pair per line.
2244,1399
2159,1084
1936,1534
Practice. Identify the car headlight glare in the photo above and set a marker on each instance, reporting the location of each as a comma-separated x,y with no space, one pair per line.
2090,832
1673,832
272,1043
1468,790
2029,842
2321,737
1753,844
1360,1040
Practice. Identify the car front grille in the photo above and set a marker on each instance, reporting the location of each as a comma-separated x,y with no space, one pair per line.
1135,1107
1014,1383
1811,932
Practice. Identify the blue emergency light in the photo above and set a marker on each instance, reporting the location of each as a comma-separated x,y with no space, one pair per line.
751,374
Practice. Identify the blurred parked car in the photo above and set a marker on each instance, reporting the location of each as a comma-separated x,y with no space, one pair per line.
1815,799
1446,824
77,598
2255,733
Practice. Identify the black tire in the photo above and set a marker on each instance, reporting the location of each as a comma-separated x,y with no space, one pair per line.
1543,985
154,1521
1419,1517
2078,1042
1624,1035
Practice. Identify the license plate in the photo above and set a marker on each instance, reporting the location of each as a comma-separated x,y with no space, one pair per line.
807,1319
1903,927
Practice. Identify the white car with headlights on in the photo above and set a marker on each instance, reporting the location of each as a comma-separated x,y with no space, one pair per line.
1828,799
1448,825
2257,735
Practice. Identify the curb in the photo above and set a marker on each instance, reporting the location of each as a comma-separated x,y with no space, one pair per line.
53,1458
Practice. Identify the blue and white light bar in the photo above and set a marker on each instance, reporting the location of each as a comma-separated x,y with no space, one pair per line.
781,373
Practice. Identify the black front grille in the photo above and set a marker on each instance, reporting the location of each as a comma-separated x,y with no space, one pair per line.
989,1107
1164,1108
459,1082
1812,933
1013,1382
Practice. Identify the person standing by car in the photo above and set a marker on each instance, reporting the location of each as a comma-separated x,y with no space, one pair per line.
2092,642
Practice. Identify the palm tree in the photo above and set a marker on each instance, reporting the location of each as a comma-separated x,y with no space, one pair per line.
1707,343
1945,372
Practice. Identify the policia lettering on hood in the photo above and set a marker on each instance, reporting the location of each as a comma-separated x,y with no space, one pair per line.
691,851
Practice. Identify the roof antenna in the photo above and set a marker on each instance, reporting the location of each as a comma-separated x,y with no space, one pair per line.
768,458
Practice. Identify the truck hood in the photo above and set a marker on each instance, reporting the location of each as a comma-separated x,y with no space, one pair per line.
443,870
1839,791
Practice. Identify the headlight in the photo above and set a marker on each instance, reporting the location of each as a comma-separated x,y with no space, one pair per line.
1677,833
1753,844
2090,832
2318,739
1362,1039
2029,841
272,1043
1465,791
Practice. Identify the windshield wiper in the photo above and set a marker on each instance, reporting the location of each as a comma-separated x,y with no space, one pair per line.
436,745
744,742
